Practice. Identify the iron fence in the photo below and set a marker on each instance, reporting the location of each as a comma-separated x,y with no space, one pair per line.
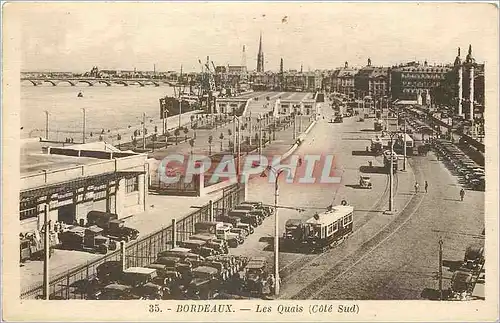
76,283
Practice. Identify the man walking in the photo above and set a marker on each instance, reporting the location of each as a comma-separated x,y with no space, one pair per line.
462,194
416,187
426,186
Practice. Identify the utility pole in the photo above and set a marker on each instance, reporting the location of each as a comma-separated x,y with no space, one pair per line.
391,175
294,125
143,132
46,125
46,245
404,148
83,127
260,137
276,239
250,124
440,269
180,109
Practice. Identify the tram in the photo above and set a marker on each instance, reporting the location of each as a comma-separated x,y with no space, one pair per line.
388,162
398,147
322,231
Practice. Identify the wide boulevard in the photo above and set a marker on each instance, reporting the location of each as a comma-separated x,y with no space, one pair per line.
388,256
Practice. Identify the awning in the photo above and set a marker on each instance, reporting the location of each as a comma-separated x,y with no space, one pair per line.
69,186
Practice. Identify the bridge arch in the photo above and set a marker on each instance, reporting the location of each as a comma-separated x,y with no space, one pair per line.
121,82
105,82
51,82
72,83
87,82
35,83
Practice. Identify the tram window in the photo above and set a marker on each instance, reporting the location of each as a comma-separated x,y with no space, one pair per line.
347,219
323,232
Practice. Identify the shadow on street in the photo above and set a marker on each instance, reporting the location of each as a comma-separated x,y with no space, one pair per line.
373,169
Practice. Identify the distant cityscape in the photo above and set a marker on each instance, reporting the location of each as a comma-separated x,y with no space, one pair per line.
409,81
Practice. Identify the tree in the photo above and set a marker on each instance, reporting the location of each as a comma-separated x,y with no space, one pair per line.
191,143
177,132
210,140
221,137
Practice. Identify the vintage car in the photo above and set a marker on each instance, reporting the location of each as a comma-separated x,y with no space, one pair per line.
221,231
109,272
461,285
474,257
255,209
246,217
220,245
116,292
86,239
255,275
236,222
205,283
268,209
113,227
185,254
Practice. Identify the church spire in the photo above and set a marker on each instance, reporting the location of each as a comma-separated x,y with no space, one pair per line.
260,56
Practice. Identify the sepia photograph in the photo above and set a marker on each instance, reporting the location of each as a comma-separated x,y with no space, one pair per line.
247,161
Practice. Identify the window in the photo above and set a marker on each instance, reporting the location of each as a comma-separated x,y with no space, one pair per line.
132,184
28,209
348,219
100,192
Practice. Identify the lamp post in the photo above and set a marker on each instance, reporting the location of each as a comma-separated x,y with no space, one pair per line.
237,138
404,146
277,173
46,125
391,174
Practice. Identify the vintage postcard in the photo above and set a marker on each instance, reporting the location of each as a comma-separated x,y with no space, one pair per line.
237,161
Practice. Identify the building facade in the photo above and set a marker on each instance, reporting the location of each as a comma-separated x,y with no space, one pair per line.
99,178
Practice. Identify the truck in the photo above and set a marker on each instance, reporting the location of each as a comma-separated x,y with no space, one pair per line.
236,222
246,217
86,239
113,227
32,245
220,230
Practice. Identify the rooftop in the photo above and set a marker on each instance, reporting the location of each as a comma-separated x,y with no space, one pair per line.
34,160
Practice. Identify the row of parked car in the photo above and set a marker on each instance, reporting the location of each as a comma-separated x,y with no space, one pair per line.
197,268
472,175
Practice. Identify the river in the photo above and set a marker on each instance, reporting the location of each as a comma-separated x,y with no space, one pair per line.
107,107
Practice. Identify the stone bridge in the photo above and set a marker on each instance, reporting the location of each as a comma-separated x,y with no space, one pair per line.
93,81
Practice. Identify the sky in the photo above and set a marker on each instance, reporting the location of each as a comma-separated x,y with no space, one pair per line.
77,36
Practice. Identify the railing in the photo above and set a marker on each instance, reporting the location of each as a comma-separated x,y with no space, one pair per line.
73,284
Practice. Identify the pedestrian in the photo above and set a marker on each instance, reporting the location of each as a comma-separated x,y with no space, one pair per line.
426,186
416,187
272,284
462,194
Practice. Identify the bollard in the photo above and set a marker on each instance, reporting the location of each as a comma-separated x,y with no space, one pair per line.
174,233
123,255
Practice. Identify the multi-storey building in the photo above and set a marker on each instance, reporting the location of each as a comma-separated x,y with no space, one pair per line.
342,80
372,81
410,80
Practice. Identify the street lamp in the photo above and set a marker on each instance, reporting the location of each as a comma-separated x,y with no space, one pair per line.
277,173
239,146
46,125
391,174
